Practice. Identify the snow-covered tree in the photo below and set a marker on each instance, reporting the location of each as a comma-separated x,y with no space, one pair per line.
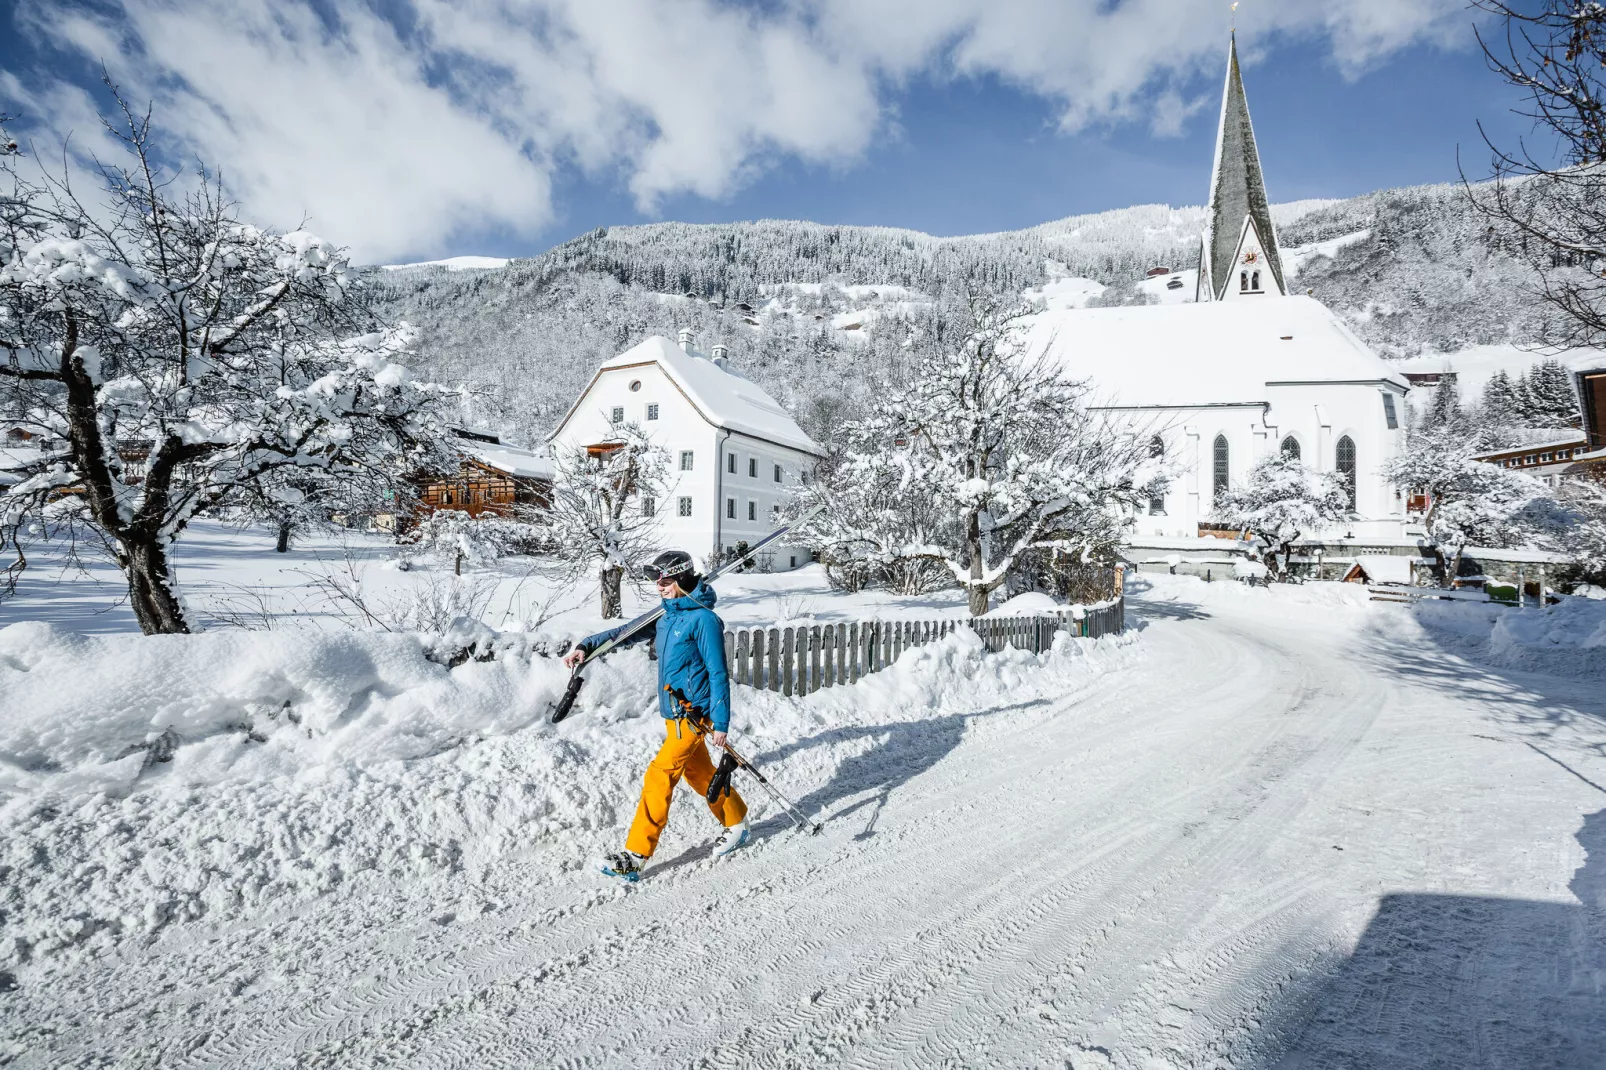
1501,397
1584,535
603,505
986,453
1444,408
1281,500
1470,502
1546,397
186,357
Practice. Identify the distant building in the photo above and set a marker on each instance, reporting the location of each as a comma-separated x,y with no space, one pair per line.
1550,460
734,454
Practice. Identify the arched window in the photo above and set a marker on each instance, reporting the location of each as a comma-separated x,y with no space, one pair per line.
1346,467
1156,446
1254,281
1243,282
1290,447
1157,502
1219,482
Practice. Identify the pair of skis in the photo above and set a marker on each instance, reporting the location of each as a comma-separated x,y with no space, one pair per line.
565,705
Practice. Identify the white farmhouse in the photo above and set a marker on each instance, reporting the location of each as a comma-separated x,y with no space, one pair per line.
734,454
1245,370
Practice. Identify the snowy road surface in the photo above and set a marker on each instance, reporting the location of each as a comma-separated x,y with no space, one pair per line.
1272,838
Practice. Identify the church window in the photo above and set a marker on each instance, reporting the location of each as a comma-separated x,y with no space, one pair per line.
649,505
1254,283
1290,447
1389,414
652,411
684,507
685,466
1243,282
1219,482
1156,446
618,414
1346,467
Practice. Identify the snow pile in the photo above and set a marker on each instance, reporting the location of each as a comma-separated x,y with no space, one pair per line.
1567,639
147,782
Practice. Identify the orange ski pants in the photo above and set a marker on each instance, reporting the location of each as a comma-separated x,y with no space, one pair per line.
682,755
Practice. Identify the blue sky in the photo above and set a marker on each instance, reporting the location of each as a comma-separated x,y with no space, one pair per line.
427,128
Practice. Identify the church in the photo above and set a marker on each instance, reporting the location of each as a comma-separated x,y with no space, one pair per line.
1244,369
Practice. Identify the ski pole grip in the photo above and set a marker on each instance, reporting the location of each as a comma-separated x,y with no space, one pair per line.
566,703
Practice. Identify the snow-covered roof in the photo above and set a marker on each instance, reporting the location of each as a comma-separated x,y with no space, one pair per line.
725,397
514,460
1386,568
1214,353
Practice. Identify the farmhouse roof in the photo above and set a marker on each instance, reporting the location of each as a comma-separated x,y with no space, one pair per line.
1197,355
723,396
514,460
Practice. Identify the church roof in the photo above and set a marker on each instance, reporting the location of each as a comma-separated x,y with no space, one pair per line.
1237,188
1211,353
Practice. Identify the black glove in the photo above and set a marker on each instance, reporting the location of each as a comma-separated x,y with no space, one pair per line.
721,783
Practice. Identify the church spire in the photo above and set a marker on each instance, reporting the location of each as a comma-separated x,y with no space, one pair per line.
1239,255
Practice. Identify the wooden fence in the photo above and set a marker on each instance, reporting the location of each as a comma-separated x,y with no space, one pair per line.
804,659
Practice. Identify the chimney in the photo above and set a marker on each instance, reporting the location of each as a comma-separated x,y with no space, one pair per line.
687,335
719,354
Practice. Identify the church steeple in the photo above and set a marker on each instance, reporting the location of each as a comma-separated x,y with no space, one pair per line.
1239,255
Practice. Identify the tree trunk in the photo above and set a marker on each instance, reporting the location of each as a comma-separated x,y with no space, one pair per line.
973,544
283,545
612,605
150,590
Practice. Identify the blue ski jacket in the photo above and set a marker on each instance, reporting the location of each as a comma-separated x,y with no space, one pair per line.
690,641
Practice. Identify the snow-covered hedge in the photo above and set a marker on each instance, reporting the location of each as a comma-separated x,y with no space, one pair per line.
151,781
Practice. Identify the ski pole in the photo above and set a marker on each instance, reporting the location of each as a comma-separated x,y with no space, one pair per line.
786,804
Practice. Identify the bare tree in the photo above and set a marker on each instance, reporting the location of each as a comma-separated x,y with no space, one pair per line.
186,356
603,508
1549,201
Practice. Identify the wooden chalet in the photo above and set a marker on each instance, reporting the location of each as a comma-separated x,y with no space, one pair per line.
492,477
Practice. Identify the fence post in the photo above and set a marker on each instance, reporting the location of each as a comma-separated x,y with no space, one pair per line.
886,628
729,638
815,680
774,663
786,662
828,656
839,640
852,653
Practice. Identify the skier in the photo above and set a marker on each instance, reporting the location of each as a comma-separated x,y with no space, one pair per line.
694,699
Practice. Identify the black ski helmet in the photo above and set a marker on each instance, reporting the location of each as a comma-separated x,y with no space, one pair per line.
673,564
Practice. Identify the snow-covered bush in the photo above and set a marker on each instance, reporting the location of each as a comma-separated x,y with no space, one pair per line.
1281,500
189,359
981,455
599,514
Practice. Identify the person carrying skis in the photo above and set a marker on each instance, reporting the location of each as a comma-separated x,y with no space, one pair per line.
694,699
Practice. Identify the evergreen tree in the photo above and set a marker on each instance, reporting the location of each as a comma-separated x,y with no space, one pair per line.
1444,410
1501,402
1548,394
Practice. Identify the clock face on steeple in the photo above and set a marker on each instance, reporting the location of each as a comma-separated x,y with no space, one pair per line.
1251,257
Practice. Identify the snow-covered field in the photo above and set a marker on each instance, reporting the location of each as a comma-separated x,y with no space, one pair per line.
1267,827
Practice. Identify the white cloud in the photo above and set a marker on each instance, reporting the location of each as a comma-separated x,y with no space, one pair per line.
398,136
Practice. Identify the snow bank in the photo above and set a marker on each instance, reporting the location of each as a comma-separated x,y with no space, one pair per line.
148,782
1567,639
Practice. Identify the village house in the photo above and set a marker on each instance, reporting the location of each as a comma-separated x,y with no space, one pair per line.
734,454
492,477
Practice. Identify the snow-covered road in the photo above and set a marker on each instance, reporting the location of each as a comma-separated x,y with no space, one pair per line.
1272,838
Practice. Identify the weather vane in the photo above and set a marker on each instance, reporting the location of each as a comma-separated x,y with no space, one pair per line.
1235,16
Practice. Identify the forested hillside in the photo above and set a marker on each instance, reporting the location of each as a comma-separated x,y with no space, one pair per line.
817,314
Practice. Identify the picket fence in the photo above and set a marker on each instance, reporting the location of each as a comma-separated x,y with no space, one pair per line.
804,659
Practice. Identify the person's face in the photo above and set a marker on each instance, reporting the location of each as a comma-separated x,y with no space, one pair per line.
668,588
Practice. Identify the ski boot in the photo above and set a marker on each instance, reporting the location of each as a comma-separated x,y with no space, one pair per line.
626,865
730,839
